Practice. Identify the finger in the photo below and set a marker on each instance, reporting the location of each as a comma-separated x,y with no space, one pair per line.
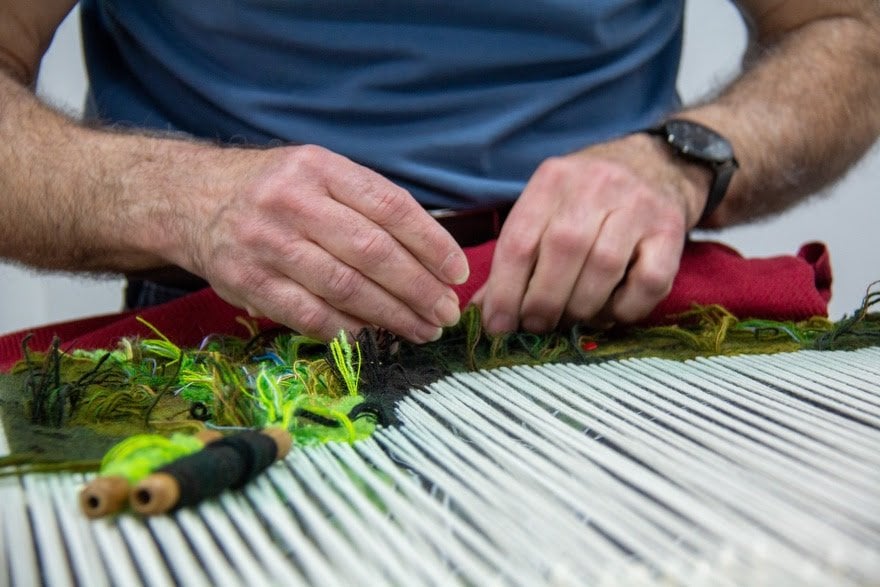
605,266
512,264
394,274
516,252
650,278
563,252
477,298
347,289
286,302
397,212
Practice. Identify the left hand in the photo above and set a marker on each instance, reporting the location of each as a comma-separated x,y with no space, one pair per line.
596,237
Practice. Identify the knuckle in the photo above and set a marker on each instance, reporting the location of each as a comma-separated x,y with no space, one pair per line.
389,205
295,254
601,169
608,260
552,169
610,176
248,278
344,284
254,237
564,238
583,307
271,196
654,282
299,165
250,240
312,320
520,251
616,169
310,156
581,314
671,224
422,290
373,248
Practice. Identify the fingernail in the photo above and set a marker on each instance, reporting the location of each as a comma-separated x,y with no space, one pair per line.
426,333
446,310
500,323
455,269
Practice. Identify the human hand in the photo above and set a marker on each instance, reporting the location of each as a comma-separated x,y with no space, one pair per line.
312,240
596,238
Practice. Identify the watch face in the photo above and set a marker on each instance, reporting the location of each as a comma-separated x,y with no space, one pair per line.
695,140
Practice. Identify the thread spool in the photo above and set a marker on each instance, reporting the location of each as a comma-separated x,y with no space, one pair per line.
107,495
104,496
228,463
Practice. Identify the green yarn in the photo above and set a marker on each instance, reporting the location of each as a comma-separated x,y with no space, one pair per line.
348,367
702,331
345,430
25,463
161,347
137,456
472,326
151,386
860,329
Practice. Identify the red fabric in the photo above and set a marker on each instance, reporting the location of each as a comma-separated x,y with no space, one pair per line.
780,288
185,321
777,288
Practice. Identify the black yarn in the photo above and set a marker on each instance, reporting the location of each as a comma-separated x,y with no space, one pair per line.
383,414
384,379
316,418
200,411
227,463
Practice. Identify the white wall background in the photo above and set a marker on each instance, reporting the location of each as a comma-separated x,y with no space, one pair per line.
846,217
26,297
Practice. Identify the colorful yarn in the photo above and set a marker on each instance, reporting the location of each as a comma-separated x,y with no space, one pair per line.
137,456
343,358
341,390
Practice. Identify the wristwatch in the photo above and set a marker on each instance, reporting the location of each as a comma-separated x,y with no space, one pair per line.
700,144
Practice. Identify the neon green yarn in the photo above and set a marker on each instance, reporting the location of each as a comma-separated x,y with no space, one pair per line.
137,456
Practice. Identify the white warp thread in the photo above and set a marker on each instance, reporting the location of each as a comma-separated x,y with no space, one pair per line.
749,470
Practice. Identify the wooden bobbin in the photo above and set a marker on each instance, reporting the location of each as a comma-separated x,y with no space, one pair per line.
156,494
283,441
160,492
104,495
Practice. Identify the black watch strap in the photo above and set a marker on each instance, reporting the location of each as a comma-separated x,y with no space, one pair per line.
718,189
697,143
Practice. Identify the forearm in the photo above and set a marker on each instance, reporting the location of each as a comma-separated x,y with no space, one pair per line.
806,109
76,198
298,234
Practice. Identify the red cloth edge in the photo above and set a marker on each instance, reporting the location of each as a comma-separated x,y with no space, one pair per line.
792,287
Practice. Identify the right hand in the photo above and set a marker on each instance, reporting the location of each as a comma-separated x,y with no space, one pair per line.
314,241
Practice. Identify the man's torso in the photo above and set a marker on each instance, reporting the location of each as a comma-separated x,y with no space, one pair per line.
456,101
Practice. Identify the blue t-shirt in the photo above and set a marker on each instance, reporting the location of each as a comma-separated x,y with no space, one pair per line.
457,101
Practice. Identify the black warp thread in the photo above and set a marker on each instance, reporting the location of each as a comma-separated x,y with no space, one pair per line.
228,463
